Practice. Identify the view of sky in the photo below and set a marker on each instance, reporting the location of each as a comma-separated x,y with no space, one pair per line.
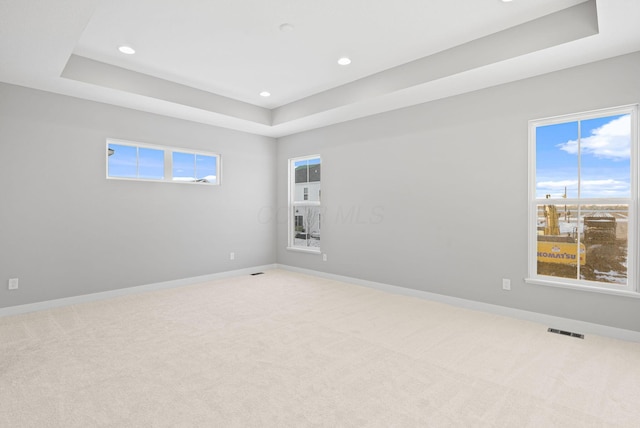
124,162
594,152
187,166
304,162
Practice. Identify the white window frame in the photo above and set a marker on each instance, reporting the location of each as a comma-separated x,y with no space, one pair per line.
632,288
294,204
168,162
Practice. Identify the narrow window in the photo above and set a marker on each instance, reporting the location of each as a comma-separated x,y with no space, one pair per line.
304,203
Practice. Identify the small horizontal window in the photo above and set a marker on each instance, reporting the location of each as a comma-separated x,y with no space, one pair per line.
135,161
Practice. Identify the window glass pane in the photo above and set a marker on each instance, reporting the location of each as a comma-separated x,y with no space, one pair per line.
313,194
557,160
123,161
150,163
183,168
307,176
558,249
206,169
301,171
298,192
605,235
602,232
307,170
605,152
306,232
314,170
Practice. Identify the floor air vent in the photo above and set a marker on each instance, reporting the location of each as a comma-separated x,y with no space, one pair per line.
257,273
566,333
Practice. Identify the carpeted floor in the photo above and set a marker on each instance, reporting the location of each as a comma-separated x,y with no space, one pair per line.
289,350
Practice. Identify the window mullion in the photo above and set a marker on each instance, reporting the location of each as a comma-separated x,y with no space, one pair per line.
195,166
305,203
168,166
579,213
137,162
579,159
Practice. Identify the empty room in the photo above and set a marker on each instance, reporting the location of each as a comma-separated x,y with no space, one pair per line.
286,213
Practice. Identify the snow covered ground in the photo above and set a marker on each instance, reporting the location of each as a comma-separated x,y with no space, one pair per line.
605,263
311,243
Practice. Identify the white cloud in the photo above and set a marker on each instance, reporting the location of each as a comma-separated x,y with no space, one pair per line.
209,178
611,141
609,183
589,188
605,188
561,184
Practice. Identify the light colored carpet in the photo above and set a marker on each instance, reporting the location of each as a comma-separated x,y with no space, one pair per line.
288,350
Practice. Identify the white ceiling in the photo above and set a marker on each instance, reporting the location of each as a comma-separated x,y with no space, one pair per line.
208,60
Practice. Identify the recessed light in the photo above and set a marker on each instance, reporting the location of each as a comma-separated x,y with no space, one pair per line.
127,50
344,61
265,94
507,1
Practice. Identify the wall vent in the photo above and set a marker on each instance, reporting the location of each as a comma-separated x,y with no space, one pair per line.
566,333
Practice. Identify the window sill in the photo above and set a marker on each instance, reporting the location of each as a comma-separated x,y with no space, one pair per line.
304,250
551,283
162,180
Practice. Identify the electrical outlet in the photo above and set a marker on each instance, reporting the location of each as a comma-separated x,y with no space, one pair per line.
13,283
324,257
506,284
232,256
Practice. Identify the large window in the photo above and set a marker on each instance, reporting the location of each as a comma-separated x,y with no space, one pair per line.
128,160
584,200
304,203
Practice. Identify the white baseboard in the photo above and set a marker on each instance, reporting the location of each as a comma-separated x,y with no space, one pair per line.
66,301
547,320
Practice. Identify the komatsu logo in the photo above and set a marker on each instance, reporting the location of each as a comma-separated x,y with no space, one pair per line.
556,255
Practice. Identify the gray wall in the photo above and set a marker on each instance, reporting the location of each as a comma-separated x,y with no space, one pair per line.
434,197
65,230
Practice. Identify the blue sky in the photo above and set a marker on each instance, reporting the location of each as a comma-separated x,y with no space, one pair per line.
123,162
299,163
183,166
604,158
